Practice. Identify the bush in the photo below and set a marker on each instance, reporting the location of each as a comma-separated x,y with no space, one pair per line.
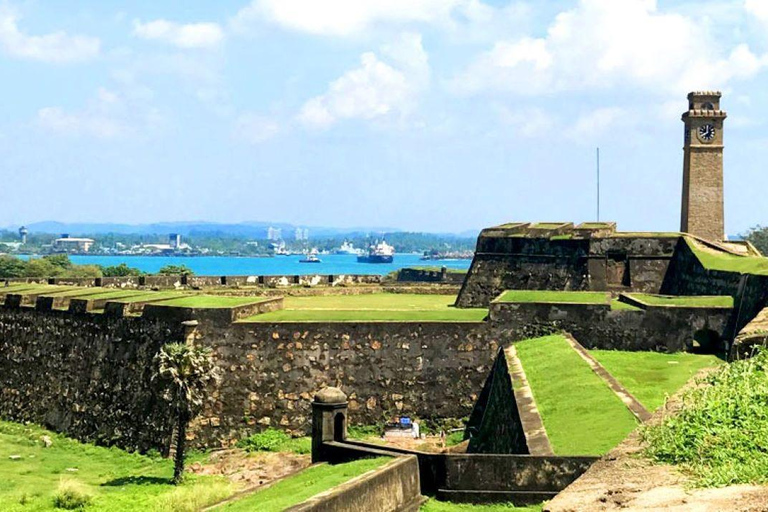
363,431
10,266
121,270
720,434
71,495
273,440
175,270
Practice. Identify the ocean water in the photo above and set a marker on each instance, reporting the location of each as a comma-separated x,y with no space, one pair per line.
278,265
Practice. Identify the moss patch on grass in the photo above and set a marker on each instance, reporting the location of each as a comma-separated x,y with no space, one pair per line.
581,415
652,376
305,484
554,297
116,481
708,301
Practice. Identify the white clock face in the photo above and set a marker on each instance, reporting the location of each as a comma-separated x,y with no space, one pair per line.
706,132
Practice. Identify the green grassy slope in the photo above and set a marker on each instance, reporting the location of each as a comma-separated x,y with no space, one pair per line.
581,415
303,485
651,376
117,481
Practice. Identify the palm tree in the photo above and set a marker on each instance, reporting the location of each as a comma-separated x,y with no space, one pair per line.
183,373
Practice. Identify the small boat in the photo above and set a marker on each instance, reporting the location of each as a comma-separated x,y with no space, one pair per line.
311,257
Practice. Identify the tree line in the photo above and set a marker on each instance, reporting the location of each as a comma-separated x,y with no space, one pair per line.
59,265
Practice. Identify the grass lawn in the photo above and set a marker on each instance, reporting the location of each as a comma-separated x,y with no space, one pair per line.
554,297
146,296
108,294
446,506
710,301
718,260
581,415
116,480
210,301
381,307
297,488
651,376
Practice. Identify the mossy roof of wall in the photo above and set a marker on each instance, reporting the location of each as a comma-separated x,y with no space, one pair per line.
713,259
211,301
435,268
550,296
372,307
708,301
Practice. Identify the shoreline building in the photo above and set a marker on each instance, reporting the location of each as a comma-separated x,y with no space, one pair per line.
66,243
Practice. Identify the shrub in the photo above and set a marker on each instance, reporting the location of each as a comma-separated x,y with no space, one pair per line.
191,498
363,431
71,495
273,440
720,434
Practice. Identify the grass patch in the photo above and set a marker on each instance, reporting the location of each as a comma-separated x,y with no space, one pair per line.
115,480
651,376
708,301
273,440
617,305
210,301
72,495
303,485
372,307
446,506
581,415
554,297
720,435
153,296
449,315
718,260
548,225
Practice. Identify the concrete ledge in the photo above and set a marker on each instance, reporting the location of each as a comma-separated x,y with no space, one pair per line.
393,487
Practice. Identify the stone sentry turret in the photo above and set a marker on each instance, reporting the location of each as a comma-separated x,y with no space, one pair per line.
702,205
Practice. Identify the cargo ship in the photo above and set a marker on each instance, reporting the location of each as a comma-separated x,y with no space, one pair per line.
380,252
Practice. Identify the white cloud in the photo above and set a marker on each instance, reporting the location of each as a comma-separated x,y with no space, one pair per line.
607,44
598,121
254,128
758,8
191,35
108,115
528,122
354,17
56,47
376,89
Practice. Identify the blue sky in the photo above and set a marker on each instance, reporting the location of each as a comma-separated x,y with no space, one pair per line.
439,115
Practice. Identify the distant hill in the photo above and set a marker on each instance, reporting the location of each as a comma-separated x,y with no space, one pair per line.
254,229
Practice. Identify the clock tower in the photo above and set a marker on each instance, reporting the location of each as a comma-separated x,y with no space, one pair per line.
702,209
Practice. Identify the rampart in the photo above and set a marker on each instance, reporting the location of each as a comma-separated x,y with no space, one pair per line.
559,256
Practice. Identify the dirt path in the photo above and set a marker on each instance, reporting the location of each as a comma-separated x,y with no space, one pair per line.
623,480
249,471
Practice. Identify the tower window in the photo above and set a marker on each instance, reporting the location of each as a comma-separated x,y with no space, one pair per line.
707,106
